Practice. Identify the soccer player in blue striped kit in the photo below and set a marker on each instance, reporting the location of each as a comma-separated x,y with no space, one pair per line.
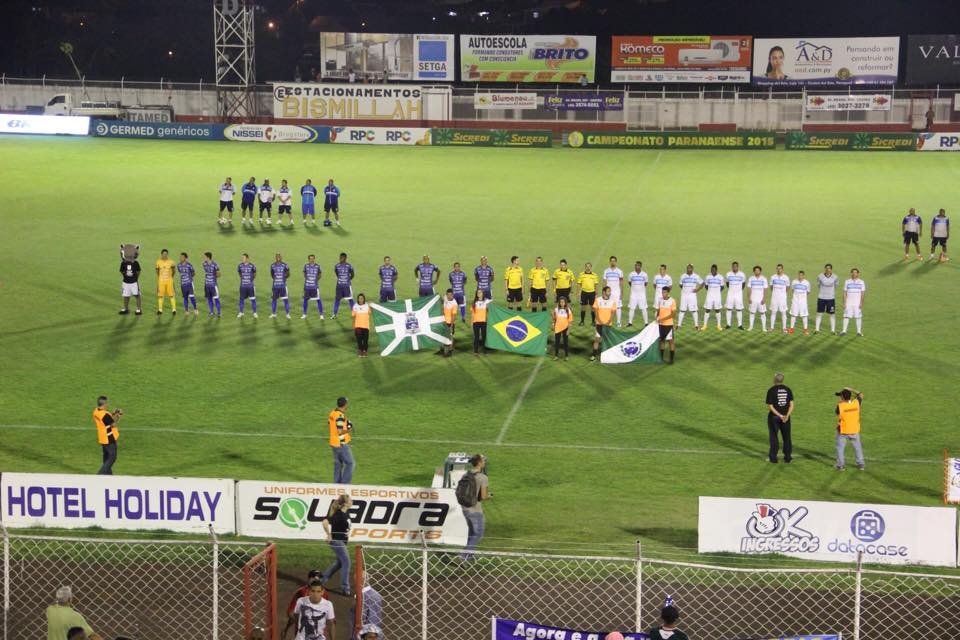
187,272
427,274
211,275
279,271
248,273
343,270
311,286
458,282
388,281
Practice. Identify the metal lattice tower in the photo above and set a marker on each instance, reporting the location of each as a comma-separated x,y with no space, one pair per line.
234,57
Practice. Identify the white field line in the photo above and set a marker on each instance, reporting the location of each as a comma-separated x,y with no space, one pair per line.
520,398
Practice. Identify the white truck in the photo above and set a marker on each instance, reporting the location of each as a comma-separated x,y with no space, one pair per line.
63,104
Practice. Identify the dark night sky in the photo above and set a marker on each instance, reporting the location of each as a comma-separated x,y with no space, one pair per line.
132,38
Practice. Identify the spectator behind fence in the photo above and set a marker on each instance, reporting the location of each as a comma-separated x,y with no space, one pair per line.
77,633
302,592
668,626
62,618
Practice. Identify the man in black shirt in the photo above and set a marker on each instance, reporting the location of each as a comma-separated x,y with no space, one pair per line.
780,405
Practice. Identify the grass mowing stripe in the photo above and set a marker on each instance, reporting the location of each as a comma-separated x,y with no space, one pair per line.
516,405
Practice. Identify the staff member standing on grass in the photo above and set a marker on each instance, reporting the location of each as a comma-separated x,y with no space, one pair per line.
848,427
337,526
666,311
340,429
780,405
107,434
478,317
361,324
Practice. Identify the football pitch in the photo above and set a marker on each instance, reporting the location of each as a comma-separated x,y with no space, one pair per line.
584,457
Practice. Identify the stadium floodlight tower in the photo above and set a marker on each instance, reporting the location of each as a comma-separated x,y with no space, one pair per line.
234,57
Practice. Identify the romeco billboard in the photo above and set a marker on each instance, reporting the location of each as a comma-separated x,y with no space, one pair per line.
378,514
307,101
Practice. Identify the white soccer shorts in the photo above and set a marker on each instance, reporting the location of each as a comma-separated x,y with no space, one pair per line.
852,312
712,301
799,309
778,303
735,301
688,302
131,289
638,301
657,299
756,305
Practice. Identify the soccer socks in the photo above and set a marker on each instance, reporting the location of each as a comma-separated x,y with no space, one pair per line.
273,305
696,318
253,304
859,326
816,323
763,321
833,322
463,312
216,301
680,319
210,305
583,315
186,302
739,318
336,305
193,299
159,303
846,323
805,319
306,301
243,303
173,304
319,305
286,305
619,316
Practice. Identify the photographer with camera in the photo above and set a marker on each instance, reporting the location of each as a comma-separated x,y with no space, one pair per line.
107,434
848,426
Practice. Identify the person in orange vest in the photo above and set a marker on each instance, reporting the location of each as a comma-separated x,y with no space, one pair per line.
848,426
562,317
604,309
478,317
450,307
361,324
340,429
107,434
666,312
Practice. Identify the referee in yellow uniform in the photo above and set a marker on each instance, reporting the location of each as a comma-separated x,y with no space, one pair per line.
538,276
513,275
165,268
587,283
107,434
563,281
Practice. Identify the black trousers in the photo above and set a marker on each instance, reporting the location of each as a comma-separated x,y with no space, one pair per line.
109,457
777,427
363,338
479,336
561,339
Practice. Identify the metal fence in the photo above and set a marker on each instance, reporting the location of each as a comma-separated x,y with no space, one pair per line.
142,589
430,593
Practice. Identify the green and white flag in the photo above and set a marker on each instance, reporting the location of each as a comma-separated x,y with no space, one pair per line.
409,325
622,347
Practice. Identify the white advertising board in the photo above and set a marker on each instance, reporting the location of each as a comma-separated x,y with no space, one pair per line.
55,125
865,102
792,62
380,135
504,101
939,141
269,133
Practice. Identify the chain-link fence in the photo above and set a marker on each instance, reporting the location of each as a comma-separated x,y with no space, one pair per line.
430,593
142,589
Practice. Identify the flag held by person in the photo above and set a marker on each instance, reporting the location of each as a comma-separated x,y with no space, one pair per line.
409,325
523,332
623,347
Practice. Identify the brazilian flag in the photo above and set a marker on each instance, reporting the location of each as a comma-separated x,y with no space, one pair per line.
524,332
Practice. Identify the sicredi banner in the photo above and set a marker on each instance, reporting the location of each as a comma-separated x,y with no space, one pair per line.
347,101
490,138
502,629
836,141
44,125
832,531
504,101
791,62
165,131
865,102
701,59
951,480
380,135
275,133
939,141
186,505
378,514
402,56
933,59
670,140
527,58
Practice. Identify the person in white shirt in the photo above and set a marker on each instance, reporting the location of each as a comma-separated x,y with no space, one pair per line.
854,291
286,204
798,305
779,283
827,297
613,278
939,234
735,281
912,228
266,195
690,284
714,285
638,292
227,192
314,615
661,280
758,293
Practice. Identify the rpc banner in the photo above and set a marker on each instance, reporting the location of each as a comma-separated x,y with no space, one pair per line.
939,141
380,135
831,531
185,505
951,480
792,62
378,514
527,58
834,102
502,629
311,101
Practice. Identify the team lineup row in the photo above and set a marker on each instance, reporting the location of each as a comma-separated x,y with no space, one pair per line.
537,281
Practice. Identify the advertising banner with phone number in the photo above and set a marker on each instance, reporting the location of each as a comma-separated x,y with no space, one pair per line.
700,59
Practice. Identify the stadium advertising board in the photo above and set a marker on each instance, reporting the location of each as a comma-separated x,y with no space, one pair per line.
938,141
312,101
584,101
186,505
511,629
491,138
527,58
670,140
380,135
700,59
275,133
951,480
833,531
159,130
44,125
831,141
402,56
504,101
933,59
378,514
831,102
791,62
147,114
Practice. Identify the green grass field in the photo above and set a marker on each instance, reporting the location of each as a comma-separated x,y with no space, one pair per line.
595,457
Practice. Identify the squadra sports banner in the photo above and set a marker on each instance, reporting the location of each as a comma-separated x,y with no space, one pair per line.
527,58
311,101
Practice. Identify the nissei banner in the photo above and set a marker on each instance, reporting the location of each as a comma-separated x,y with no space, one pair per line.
503,629
951,480
158,130
833,102
44,125
186,505
791,62
504,101
310,101
527,58
938,141
832,531
275,133
402,56
933,59
378,514
701,59
380,135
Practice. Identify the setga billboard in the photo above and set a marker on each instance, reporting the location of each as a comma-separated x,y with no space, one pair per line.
527,58
378,514
793,62
834,531
308,101
380,135
700,59
49,125
186,505
933,60
397,56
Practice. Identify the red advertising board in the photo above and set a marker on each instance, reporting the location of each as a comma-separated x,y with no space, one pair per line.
698,59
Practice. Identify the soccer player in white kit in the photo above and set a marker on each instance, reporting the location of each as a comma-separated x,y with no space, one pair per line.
227,191
758,292
714,285
798,305
285,198
690,284
638,292
779,283
613,277
661,280
826,297
854,291
735,281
